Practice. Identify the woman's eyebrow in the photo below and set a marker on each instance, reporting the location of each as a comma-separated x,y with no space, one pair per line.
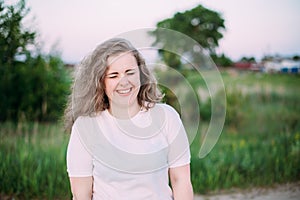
127,70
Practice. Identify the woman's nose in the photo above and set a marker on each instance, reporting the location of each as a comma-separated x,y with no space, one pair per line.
124,80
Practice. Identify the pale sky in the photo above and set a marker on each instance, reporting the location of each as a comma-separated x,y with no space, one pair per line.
253,27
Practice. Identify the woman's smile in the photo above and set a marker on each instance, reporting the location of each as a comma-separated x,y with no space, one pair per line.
124,91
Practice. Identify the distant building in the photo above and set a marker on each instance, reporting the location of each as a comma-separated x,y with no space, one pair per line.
248,66
282,66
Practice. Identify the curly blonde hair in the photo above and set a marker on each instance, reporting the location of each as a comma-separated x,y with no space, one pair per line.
88,96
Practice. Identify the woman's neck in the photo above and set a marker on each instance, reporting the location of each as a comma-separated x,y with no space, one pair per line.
124,111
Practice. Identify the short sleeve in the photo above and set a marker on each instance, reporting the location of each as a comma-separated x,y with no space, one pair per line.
179,151
79,160
179,148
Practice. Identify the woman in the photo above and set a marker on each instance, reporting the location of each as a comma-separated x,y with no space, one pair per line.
124,144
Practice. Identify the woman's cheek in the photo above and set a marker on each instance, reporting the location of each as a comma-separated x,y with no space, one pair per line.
109,87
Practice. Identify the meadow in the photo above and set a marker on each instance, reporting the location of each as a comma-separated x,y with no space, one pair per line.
33,162
259,145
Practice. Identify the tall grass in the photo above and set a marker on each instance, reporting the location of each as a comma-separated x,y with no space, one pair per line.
260,144
247,160
33,161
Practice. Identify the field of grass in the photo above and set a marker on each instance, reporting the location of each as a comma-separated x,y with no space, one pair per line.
242,161
33,162
259,146
260,143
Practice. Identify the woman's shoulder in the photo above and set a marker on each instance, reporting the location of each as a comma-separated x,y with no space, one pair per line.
168,109
85,119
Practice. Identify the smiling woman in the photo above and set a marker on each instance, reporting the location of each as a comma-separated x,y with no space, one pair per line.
122,83
109,62
124,144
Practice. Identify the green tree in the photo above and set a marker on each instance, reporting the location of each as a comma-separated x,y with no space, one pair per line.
14,38
201,24
33,88
222,60
248,59
296,57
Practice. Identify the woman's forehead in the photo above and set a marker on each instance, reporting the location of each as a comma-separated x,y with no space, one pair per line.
121,61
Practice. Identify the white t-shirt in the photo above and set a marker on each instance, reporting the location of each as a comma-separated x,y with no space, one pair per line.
129,159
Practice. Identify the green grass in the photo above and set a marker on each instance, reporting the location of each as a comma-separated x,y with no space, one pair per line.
259,146
240,160
33,161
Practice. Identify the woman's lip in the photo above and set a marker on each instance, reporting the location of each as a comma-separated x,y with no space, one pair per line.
124,91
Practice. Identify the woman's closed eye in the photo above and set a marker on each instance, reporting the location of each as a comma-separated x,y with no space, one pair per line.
114,75
130,73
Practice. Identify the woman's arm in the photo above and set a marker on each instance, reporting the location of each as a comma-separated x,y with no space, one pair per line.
181,183
82,187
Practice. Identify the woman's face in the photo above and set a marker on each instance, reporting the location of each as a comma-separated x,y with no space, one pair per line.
122,80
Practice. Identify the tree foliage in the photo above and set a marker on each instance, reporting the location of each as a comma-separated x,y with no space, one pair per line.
34,87
248,59
222,60
14,38
296,57
201,24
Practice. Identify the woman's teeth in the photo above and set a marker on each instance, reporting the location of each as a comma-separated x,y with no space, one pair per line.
124,91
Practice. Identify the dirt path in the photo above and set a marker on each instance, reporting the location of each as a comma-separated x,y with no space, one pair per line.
289,191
